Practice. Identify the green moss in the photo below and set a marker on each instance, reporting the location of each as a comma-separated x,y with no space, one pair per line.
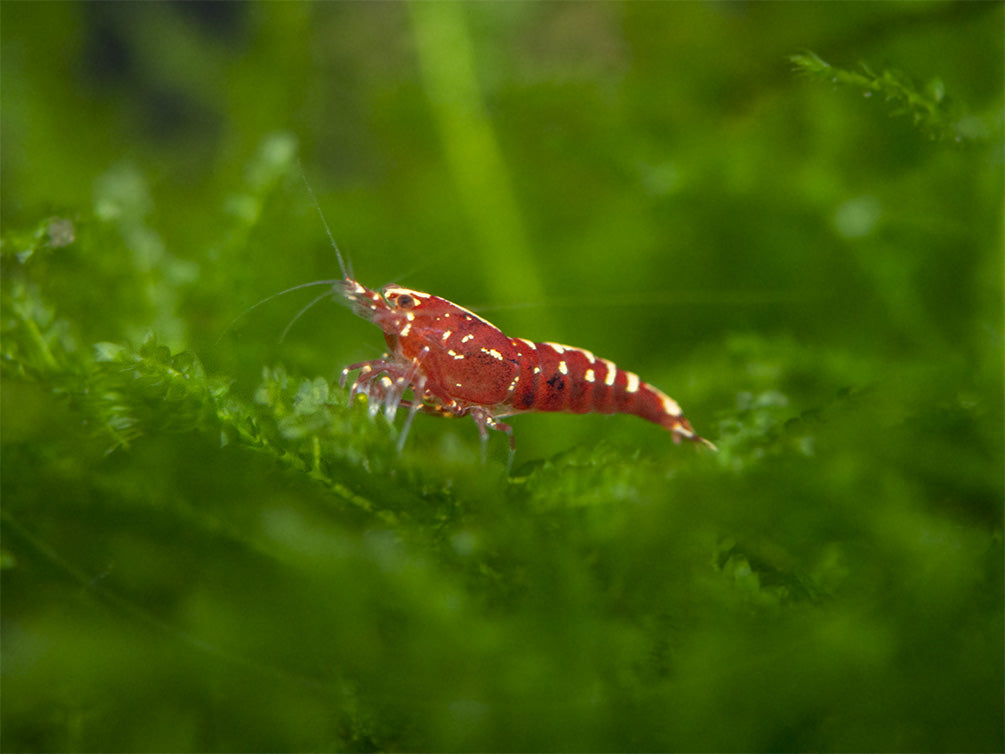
207,547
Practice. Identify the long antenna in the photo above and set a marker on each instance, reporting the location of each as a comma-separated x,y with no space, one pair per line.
346,270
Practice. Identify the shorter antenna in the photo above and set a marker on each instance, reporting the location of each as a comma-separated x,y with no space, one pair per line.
266,300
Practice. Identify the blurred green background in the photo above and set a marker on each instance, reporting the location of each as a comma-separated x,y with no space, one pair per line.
206,549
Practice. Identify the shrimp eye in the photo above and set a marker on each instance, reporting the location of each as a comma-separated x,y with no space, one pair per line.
404,301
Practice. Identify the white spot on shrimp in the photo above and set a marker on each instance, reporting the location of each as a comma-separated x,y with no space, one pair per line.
563,367
446,333
633,382
589,377
493,353
456,355
537,370
556,347
406,329
612,372
393,290
467,337
670,405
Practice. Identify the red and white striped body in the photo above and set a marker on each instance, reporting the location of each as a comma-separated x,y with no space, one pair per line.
457,363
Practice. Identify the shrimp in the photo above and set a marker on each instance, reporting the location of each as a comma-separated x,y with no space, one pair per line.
455,363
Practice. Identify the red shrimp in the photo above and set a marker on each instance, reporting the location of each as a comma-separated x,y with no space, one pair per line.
456,363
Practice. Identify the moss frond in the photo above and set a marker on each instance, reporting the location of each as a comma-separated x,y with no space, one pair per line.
927,105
